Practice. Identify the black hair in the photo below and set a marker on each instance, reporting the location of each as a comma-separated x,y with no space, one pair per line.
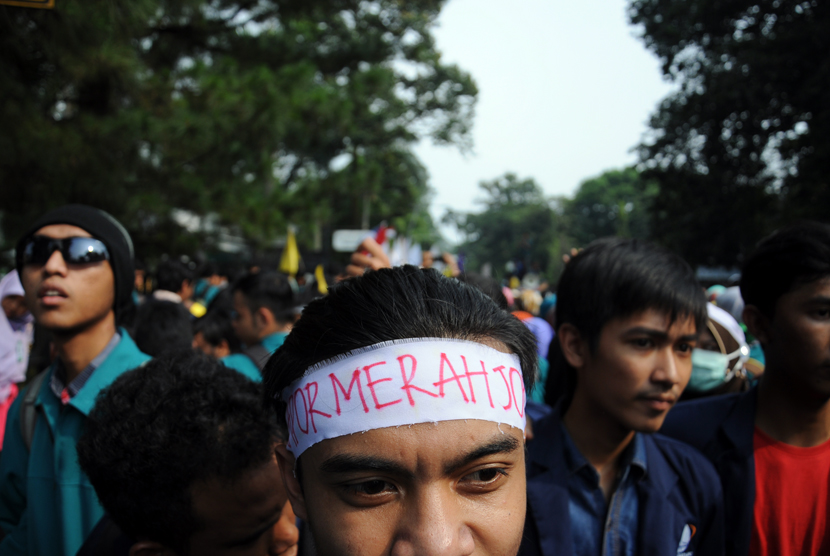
170,275
216,326
617,278
783,261
162,326
163,427
393,304
208,269
271,290
489,286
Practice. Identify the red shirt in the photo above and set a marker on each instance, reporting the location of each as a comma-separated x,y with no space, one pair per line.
791,498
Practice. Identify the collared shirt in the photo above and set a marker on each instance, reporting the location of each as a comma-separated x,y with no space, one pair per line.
66,393
597,528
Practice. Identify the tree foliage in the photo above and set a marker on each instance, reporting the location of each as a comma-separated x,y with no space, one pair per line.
516,224
262,112
742,145
615,203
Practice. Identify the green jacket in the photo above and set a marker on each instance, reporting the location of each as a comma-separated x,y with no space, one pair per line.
47,505
245,365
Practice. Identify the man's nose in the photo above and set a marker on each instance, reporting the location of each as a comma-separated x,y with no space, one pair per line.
667,368
55,264
433,525
285,534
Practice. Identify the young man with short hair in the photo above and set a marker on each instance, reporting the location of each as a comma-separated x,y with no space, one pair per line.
181,455
402,394
76,267
213,334
264,312
174,282
599,482
771,445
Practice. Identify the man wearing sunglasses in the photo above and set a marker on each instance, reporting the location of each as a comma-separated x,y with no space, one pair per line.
76,266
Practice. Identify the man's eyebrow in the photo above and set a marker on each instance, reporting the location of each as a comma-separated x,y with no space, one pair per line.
504,445
657,333
353,463
647,331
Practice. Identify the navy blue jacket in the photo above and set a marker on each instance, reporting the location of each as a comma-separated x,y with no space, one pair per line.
722,427
680,488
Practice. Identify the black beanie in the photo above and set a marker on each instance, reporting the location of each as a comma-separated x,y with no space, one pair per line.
102,226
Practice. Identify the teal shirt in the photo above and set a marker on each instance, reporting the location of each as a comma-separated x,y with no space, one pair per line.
274,341
47,505
243,363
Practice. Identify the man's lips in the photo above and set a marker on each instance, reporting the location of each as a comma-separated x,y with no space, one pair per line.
51,294
660,402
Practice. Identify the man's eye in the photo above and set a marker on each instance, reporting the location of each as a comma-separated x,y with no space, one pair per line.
372,488
685,347
486,476
642,342
822,314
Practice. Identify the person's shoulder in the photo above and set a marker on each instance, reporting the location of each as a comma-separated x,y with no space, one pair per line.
128,351
243,364
691,467
695,422
546,446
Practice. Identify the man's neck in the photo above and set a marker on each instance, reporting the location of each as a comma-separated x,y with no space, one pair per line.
789,416
76,350
274,329
599,438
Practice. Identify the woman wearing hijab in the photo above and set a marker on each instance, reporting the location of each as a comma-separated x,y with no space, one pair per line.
16,334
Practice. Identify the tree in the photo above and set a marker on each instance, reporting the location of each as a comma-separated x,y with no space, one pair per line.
742,145
258,112
517,224
615,203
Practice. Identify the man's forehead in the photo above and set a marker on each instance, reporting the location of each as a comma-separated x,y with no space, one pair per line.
61,231
660,320
819,287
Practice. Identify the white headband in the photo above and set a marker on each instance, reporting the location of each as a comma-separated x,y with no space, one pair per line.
404,382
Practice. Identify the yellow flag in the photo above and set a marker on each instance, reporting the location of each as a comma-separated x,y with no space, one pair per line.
290,260
322,286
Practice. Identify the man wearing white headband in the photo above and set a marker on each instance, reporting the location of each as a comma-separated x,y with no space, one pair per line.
402,394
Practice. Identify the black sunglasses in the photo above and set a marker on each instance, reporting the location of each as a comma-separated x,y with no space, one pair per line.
75,250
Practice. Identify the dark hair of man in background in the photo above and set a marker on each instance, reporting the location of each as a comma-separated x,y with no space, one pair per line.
162,326
158,430
215,327
393,304
170,275
785,260
490,287
270,290
617,278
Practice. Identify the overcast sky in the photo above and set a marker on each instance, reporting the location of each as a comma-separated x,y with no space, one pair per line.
565,92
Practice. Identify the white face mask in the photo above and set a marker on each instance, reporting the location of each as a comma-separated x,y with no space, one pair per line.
710,369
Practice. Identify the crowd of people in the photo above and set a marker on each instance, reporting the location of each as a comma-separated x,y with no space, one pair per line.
405,411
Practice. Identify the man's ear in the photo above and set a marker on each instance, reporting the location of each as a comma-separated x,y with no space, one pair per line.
757,323
263,317
222,350
574,347
290,480
150,548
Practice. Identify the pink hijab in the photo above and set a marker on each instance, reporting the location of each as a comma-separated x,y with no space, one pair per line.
15,339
